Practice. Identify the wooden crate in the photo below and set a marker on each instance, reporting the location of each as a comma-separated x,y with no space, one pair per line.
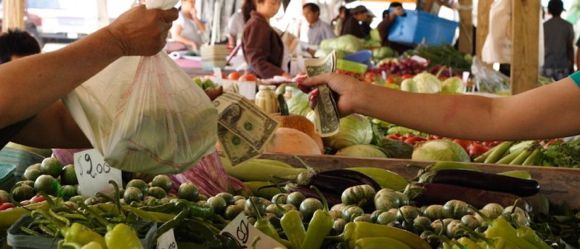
558,184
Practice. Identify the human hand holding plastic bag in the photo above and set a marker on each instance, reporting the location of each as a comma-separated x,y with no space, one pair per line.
144,114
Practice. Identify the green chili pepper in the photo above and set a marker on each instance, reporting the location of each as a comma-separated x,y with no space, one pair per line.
92,245
150,216
82,235
173,222
531,236
500,228
468,243
319,226
379,243
263,223
292,225
358,230
122,236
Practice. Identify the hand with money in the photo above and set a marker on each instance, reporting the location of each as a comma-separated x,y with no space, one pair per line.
348,90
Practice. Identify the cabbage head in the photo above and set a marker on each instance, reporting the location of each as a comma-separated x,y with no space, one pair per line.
347,43
354,129
422,83
361,150
452,85
440,150
298,103
383,52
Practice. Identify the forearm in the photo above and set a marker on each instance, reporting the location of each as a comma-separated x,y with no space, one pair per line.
454,116
33,83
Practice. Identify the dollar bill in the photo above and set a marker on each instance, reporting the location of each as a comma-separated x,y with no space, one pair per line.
327,115
243,129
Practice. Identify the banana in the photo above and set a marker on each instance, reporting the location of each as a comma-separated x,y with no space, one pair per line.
452,165
259,189
261,170
385,178
534,158
509,157
522,174
380,243
498,152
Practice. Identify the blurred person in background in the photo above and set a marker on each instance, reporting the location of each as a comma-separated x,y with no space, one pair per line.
358,22
235,28
188,29
262,46
314,30
338,21
558,43
27,114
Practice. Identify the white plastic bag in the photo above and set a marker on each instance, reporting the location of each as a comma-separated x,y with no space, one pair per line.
144,114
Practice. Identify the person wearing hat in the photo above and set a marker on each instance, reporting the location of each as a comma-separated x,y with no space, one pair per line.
358,23
558,43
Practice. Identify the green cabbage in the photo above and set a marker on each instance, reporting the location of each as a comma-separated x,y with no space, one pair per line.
298,103
427,83
322,53
354,129
383,52
452,85
361,150
348,43
440,150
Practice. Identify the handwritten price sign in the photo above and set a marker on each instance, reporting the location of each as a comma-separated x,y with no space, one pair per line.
167,241
247,236
94,173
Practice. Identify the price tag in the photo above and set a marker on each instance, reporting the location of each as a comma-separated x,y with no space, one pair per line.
247,235
167,241
94,173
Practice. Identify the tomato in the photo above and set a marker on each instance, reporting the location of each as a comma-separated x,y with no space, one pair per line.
6,205
394,136
407,76
464,143
475,149
234,76
37,198
413,140
248,77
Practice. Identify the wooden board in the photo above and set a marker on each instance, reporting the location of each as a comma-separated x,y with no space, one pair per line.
483,7
558,184
525,23
465,26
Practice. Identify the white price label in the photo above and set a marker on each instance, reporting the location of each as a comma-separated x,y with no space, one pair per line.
247,235
167,241
94,173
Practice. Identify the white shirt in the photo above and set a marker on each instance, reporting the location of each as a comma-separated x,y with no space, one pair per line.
236,25
190,30
312,35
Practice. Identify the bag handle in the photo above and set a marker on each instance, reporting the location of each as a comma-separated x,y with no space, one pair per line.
160,4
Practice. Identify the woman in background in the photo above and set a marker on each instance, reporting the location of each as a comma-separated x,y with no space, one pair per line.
262,46
188,29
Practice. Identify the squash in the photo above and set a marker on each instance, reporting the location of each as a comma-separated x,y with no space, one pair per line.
302,124
292,141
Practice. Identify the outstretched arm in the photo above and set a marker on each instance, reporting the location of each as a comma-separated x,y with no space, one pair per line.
33,83
545,112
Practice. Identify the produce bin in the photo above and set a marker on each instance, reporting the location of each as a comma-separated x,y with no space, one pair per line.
19,240
559,185
418,27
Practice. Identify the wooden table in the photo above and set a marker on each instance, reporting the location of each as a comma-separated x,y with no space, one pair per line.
558,184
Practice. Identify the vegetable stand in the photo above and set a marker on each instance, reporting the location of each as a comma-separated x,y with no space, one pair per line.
558,184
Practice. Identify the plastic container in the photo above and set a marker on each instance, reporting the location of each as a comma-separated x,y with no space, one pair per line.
350,66
7,179
19,240
362,56
418,27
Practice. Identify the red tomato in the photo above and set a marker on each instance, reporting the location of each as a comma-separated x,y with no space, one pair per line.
37,198
463,143
394,136
234,76
475,149
407,76
248,77
414,140
6,205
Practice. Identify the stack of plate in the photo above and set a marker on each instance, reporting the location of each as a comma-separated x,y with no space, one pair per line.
214,56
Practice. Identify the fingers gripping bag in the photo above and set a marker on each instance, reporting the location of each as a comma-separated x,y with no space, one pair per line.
144,114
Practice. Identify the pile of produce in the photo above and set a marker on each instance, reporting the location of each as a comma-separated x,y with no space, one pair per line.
448,204
553,153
